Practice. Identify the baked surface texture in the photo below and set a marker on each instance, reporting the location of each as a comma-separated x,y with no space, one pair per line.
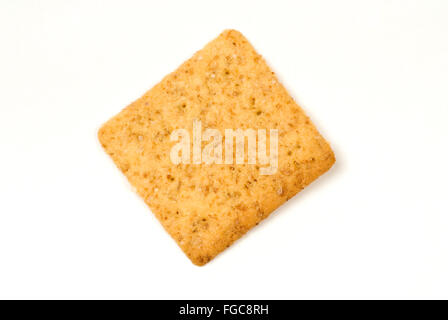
205,208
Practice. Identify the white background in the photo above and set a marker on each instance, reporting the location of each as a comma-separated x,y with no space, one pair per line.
373,76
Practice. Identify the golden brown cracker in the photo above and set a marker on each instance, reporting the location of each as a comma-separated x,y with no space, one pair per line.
205,208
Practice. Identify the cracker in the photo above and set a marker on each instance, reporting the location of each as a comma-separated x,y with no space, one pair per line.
206,207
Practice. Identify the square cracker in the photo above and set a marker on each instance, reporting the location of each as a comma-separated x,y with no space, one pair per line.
205,208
